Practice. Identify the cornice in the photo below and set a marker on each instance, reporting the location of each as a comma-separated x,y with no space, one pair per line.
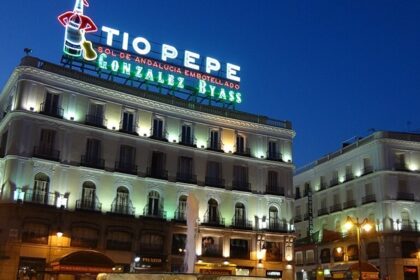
147,104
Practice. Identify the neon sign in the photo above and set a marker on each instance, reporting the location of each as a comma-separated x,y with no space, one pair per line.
135,57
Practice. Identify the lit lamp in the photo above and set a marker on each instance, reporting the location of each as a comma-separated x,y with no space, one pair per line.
59,233
366,226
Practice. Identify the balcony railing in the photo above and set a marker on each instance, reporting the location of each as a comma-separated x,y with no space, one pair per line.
161,135
187,141
348,177
188,178
239,185
246,152
94,120
157,173
400,166
323,211
241,223
54,111
180,215
335,208
334,182
123,208
126,167
128,128
40,197
215,145
298,218
118,245
349,204
277,225
46,152
153,212
408,226
89,205
405,196
92,161
213,219
215,182
367,170
369,198
274,156
322,186
275,190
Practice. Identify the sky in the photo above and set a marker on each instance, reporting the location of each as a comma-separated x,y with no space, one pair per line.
335,69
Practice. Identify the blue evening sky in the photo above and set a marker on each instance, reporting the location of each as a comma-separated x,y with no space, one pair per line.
335,68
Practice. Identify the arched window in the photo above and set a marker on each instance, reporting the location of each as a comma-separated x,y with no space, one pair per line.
405,220
239,219
338,254
122,203
41,188
153,207
213,212
353,252
181,212
241,145
88,200
273,218
372,250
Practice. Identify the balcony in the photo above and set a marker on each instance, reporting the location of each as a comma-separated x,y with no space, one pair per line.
367,170
276,225
53,111
126,167
161,135
123,208
216,146
154,212
335,208
118,245
92,161
34,237
298,218
348,177
274,190
408,226
241,223
46,152
128,128
333,182
274,156
322,186
180,216
187,141
368,198
405,196
246,152
188,178
40,197
239,185
401,166
89,205
157,173
215,182
323,211
213,219
98,121
349,204
83,242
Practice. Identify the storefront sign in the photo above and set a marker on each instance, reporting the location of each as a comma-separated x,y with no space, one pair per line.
158,64
215,271
274,273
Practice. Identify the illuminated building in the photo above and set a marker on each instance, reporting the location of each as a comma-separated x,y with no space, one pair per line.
375,177
88,163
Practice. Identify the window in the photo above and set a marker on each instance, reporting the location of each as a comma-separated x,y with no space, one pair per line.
153,207
3,143
92,158
151,241
128,123
40,192
273,217
272,150
158,129
127,159
349,172
405,220
241,147
122,202
214,141
211,246
179,243
239,249
309,258
181,211
325,255
297,194
299,258
240,215
187,135
372,250
322,183
400,161
214,174
274,251
35,232
307,188
84,236
51,105
46,145
88,200
185,169
352,252
96,114
272,179
158,166
119,240
213,212
367,166
240,177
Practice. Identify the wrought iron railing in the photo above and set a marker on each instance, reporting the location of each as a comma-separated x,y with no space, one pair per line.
180,215
214,145
274,156
240,185
128,128
157,173
323,211
123,208
54,111
215,182
89,204
154,212
246,152
277,225
126,167
276,190
186,177
369,198
159,134
213,219
92,161
46,152
187,141
39,197
94,120
241,223
349,204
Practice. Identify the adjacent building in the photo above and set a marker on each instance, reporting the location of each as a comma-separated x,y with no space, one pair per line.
375,178
95,177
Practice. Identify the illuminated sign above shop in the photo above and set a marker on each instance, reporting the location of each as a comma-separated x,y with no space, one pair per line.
161,65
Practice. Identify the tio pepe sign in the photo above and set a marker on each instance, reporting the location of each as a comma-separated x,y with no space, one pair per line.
133,57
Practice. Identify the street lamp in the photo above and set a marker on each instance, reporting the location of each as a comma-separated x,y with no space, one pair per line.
365,225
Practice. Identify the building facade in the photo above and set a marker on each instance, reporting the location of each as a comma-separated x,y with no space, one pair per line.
89,166
374,178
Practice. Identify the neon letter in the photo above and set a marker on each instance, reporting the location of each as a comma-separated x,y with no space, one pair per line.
125,41
231,72
147,46
202,86
189,60
101,61
110,34
212,64
168,52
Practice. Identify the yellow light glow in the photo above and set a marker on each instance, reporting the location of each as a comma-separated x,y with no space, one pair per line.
413,167
339,250
367,227
59,234
358,173
348,225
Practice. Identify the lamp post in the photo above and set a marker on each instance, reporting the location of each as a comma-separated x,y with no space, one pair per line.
367,226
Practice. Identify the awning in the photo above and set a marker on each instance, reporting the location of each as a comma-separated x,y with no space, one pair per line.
87,261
